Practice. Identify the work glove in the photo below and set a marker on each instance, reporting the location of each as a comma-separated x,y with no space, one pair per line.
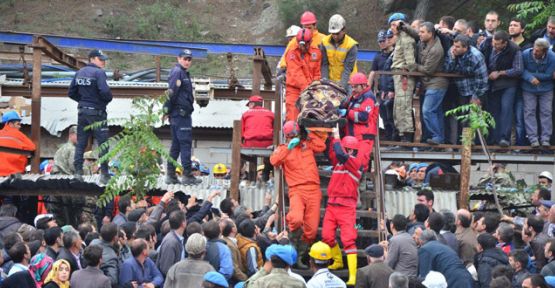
293,143
342,112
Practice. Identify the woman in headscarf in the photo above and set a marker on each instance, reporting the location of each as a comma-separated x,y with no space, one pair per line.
39,267
58,276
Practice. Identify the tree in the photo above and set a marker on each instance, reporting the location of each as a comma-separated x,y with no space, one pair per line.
535,13
479,122
138,150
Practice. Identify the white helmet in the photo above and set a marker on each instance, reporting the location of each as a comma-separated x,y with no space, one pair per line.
292,31
337,23
546,174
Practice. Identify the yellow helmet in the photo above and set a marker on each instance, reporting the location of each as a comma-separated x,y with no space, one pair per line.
320,251
260,167
219,169
179,170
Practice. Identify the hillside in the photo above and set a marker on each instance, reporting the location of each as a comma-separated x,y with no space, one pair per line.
237,21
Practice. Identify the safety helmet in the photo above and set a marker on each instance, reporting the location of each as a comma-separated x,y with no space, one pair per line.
308,18
304,36
90,155
320,251
179,171
397,16
292,31
290,129
260,167
358,78
547,175
10,116
349,142
337,23
382,35
195,165
219,169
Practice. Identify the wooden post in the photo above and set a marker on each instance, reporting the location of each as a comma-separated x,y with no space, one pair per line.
158,68
465,168
235,159
36,103
257,61
417,122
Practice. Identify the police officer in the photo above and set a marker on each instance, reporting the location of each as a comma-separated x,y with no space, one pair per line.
179,107
90,89
282,258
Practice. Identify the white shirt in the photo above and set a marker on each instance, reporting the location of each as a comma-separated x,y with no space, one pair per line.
17,268
323,278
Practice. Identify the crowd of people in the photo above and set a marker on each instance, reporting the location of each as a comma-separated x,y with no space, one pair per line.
177,241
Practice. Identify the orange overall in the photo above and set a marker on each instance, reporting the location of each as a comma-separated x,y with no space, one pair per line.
303,181
13,138
302,69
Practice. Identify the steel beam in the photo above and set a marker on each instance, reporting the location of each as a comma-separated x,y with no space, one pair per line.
58,55
102,44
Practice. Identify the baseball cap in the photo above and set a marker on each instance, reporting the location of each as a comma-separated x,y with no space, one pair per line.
255,98
99,54
381,35
186,53
374,251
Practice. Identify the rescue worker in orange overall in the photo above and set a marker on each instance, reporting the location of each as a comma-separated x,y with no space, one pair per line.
308,21
257,129
296,158
303,67
11,137
362,116
342,202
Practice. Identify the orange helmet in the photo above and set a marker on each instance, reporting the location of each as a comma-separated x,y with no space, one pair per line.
308,18
304,36
358,78
290,129
349,142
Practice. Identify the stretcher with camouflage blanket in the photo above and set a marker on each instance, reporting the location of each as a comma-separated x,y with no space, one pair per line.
318,104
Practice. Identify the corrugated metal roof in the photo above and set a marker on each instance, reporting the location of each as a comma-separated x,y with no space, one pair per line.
67,183
57,113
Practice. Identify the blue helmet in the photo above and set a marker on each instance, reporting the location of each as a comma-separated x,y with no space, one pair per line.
397,16
10,116
215,278
389,33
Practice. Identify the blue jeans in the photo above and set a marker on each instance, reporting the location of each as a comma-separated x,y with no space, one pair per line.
432,112
182,140
501,105
531,102
520,131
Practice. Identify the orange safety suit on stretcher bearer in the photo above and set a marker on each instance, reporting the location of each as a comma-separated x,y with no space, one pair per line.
303,181
11,137
342,202
303,67
308,21
362,116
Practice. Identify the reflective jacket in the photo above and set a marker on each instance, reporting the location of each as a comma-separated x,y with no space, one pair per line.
302,69
315,42
257,124
362,115
298,163
13,138
336,56
347,171
89,88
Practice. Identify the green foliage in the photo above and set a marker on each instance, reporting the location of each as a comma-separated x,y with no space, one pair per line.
290,11
159,20
535,13
477,119
138,150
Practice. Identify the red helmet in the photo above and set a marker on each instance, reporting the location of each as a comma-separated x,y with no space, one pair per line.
290,129
349,142
308,18
304,36
255,98
358,78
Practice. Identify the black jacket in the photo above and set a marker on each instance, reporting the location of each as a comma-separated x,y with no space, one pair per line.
66,255
89,88
485,261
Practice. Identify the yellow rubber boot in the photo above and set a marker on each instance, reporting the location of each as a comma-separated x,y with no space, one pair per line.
352,263
337,258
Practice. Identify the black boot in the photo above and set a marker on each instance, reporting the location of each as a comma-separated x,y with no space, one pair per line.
190,179
171,178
